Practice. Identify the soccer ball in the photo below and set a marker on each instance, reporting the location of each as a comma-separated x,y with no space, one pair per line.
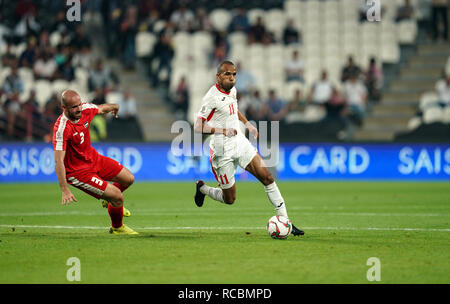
279,227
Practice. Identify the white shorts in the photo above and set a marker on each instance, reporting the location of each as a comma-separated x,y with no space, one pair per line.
224,166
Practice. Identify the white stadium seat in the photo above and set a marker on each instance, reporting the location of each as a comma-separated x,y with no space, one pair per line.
427,100
432,115
145,42
59,85
253,15
220,19
414,123
43,90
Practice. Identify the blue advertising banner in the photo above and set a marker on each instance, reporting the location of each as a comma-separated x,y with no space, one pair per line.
297,161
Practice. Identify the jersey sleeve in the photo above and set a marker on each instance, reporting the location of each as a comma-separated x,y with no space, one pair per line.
207,109
90,110
60,135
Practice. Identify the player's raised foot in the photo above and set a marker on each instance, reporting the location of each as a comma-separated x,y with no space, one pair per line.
126,212
199,196
124,229
296,231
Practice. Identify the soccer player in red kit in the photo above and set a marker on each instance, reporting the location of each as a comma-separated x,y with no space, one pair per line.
77,163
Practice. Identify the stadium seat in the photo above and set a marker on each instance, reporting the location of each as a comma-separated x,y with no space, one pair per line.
145,42
59,85
407,31
314,113
4,72
428,100
432,115
55,38
237,38
43,90
446,115
82,78
26,74
220,18
113,97
390,52
447,67
254,13
181,40
291,87
414,123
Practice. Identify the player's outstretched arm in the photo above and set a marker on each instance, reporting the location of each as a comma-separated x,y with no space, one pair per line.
251,128
201,127
107,108
67,196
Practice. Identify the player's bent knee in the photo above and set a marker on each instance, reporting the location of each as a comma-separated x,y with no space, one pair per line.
113,195
229,199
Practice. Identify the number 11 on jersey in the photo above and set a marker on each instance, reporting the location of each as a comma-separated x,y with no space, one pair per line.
231,106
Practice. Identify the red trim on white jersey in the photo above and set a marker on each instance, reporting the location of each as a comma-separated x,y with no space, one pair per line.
217,87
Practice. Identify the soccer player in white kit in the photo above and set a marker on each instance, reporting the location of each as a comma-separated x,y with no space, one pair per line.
219,115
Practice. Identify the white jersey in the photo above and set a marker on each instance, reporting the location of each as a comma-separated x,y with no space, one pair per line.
220,110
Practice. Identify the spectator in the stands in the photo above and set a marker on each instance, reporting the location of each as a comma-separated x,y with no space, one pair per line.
101,77
239,21
356,98
257,108
277,109
82,58
290,34
439,14
164,52
128,30
374,80
44,41
321,91
29,54
127,105
183,18
219,53
99,97
201,21
45,67
336,105
350,69
12,108
52,109
181,98
66,71
245,81
355,94
79,39
443,91
13,83
404,11
257,31
9,58
294,67
31,109
296,108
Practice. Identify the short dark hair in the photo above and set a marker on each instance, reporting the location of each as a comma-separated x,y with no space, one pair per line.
219,68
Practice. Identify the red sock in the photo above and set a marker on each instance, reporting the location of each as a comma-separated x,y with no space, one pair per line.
116,215
121,187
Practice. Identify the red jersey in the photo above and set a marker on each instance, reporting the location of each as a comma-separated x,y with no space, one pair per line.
73,137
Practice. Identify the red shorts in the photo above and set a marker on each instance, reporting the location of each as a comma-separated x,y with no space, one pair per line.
94,181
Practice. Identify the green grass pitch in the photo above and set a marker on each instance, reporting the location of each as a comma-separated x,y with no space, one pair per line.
404,225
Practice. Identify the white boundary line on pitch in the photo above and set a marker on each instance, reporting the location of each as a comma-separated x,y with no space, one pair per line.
199,213
230,228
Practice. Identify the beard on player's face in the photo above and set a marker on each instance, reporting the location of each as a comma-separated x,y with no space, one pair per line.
227,84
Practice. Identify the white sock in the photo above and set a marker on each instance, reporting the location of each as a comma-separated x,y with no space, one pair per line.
214,193
276,199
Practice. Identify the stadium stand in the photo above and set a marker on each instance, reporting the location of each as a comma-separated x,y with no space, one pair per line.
177,45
